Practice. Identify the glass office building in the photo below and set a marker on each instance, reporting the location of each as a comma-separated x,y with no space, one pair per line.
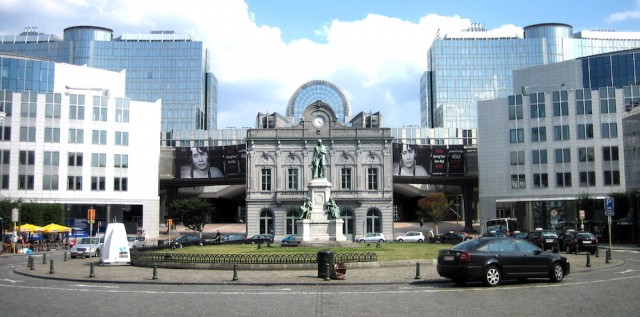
313,91
477,65
159,65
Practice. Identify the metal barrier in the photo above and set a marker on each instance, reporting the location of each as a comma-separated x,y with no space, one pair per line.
139,256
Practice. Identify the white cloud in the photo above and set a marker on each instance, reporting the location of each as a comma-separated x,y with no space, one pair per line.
376,61
633,14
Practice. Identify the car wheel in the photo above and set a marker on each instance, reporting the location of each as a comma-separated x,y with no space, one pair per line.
400,240
73,256
567,249
459,281
420,240
380,241
557,273
97,253
492,276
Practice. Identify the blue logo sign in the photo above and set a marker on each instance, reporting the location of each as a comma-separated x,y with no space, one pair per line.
608,203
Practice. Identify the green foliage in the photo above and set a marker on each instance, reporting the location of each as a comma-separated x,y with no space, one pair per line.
39,214
194,213
433,206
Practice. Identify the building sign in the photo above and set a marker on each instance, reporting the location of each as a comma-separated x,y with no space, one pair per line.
455,161
211,162
439,161
428,160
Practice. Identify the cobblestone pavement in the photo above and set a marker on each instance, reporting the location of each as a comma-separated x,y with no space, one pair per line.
392,272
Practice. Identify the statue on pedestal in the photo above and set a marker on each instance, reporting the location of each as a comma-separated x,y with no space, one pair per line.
305,209
319,160
334,210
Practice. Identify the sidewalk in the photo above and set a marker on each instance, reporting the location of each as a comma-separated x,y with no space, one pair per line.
392,272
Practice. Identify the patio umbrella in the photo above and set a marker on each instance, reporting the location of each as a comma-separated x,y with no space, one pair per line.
53,228
28,228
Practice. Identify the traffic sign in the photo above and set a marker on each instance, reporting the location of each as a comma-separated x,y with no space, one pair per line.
608,203
609,213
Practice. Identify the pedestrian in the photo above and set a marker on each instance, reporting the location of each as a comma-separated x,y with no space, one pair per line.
431,235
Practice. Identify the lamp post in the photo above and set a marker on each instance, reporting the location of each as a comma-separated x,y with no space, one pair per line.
2,234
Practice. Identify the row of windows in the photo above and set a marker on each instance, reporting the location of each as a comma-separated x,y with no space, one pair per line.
28,158
76,136
51,182
563,179
346,179
608,130
563,155
560,103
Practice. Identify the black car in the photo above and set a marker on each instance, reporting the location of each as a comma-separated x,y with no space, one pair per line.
578,241
260,238
492,260
545,239
186,240
454,237
235,238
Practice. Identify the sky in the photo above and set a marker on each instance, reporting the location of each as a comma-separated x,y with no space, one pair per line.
262,51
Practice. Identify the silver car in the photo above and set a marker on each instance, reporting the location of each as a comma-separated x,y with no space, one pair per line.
87,247
411,236
373,237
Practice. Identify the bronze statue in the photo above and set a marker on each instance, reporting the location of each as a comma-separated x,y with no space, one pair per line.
319,160
305,209
334,210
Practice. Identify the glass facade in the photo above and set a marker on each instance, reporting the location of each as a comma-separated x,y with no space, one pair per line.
159,65
318,90
463,69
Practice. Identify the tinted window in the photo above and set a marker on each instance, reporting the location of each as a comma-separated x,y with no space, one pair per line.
525,246
467,245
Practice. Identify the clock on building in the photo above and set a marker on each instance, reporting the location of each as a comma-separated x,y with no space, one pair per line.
318,121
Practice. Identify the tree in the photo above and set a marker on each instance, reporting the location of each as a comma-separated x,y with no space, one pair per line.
194,213
433,206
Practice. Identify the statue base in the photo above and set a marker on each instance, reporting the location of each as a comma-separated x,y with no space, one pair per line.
318,227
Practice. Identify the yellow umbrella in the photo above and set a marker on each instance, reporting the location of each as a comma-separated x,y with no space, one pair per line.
52,228
27,227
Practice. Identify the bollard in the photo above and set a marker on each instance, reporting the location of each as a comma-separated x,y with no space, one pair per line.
31,265
51,267
588,259
576,248
44,258
235,272
155,272
65,256
597,252
607,257
378,245
91,271
259,245
417,271
326,276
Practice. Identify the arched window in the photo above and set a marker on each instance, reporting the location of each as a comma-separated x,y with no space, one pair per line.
349,226
374,220
292,216
266,221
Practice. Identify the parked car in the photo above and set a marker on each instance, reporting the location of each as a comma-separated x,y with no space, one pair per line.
571,241
373,237
518,234
87,247
454,237
290,239
135,242
260,238
545,239
186,240
494,233
411,236
492,260
228,238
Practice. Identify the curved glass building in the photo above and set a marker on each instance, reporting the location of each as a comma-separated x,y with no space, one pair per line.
313,91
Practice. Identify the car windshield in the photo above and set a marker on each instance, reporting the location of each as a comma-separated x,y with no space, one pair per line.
549,235
467,245
585,235
89,241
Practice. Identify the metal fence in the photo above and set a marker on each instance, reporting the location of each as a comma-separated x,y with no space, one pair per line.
143,256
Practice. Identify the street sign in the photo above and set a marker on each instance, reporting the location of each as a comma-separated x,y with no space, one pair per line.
609,213
554,217
608,203
581,214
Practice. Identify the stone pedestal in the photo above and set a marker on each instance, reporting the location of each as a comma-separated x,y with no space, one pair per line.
319,228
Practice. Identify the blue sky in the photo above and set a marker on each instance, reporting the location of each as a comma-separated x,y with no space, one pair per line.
374,50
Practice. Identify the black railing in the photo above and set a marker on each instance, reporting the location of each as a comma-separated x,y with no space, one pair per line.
142,256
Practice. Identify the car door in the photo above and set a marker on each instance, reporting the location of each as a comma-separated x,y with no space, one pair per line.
533,261
508,256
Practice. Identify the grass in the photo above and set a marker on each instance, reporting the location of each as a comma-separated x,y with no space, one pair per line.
386,251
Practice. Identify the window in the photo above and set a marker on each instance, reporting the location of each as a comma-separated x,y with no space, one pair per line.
585,154
292,217
120,184
122,110
631,96
537,105
516,136
52,135
607,100
345,178
611,178
560,104
515,107
539,134
53,105
561,132
6,102
74,182
539,156
518,181
76,107
98,160
122,138
27,134
27,158
563,155
610,153
587,179
29,107
583,102
76,136
51,158
49,182
265,179
541,180
25,181
99,137
5,133
292,179
372,178
100,108
585,131
5,159
563,179
97,183
75,159
517,158
609,130
120,160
